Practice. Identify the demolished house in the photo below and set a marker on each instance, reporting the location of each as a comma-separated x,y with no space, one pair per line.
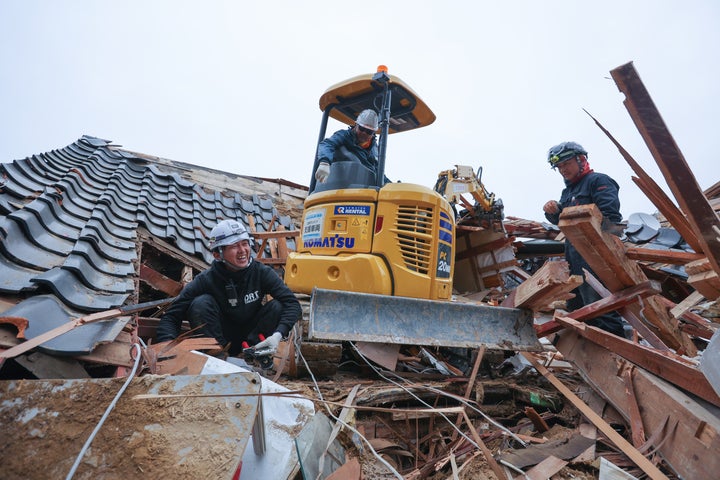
97,240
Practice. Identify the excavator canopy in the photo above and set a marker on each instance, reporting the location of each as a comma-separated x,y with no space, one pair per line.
348,98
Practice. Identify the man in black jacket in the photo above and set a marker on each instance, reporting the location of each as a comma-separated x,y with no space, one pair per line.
584,186
226,300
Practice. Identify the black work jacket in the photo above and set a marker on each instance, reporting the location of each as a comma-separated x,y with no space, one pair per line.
239,294
596,188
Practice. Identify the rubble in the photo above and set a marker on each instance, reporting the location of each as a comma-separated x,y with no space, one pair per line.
580,403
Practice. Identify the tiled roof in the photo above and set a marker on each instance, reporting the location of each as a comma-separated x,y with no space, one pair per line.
68,230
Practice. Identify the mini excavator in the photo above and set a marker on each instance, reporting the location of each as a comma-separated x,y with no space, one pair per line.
378,258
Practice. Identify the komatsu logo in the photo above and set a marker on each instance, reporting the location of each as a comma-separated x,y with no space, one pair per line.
330,242
352,210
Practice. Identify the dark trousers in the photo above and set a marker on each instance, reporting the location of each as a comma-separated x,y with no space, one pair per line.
204,312
585,295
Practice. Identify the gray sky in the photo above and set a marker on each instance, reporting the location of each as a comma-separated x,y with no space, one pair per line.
235,85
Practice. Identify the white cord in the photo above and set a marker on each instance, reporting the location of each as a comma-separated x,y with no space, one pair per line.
350,427
138,356
377,371
462,400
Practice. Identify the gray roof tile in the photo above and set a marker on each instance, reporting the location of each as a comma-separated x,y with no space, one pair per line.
45,312
68,225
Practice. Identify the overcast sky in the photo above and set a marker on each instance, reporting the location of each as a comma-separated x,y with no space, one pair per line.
235,85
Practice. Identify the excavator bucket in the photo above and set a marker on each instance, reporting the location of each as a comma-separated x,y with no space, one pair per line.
349,316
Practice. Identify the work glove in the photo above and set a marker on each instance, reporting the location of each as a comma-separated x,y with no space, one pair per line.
322,172
270,344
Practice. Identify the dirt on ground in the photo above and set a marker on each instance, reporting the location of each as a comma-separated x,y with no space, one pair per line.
153,438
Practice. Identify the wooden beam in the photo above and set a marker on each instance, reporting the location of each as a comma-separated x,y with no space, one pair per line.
651,470
673,257
159,281
671,367
665,206
691,441
165,247
605,254
670,160
702,277
614,302
550,283
656,195
631,317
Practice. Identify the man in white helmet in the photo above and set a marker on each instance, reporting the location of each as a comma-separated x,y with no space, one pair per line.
227,299
353,143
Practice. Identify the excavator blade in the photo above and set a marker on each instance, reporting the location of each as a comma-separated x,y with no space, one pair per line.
349,316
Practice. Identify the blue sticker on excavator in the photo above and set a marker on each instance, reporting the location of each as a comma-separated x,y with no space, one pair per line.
363,210
445,228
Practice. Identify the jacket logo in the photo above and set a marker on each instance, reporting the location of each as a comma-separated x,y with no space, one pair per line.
252,297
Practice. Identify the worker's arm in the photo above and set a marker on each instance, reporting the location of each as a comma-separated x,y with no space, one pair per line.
605,196
171,321
552,209
291,310
326,148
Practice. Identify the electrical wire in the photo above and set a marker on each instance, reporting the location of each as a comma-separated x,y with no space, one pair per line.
462,400
344,424
90,439
452,424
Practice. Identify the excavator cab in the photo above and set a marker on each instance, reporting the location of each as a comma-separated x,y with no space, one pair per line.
361,234
344,101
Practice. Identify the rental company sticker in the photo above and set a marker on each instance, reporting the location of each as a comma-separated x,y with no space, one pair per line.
352,210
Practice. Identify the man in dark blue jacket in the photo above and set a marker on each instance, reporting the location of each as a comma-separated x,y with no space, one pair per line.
354,143
226,300
584,186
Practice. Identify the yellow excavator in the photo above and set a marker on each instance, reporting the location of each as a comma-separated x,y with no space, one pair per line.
378,258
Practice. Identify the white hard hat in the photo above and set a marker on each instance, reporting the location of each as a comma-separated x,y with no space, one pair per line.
368,119
227,232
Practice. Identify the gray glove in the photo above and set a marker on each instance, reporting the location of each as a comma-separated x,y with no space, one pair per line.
322,172
269,344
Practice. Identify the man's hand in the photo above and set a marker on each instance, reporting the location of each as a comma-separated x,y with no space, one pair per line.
269,344
551,207
322,172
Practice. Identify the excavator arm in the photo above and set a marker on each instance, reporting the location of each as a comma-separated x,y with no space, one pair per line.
453,184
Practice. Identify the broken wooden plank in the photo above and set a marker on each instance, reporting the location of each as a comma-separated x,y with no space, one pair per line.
159,281
671,367
651,470
690,301
631,317
673,257
550,283
656,195
670,160
703,279
611,303
544,470
605,254
691,442
637,429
